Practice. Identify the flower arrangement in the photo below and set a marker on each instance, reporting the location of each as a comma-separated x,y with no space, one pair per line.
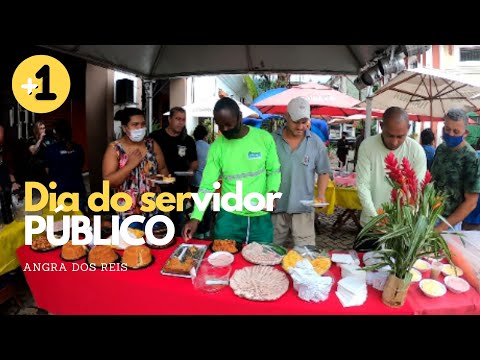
404,228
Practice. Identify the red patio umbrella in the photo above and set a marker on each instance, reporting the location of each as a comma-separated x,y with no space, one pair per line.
323,100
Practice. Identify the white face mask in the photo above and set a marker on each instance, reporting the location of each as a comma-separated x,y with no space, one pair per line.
137,135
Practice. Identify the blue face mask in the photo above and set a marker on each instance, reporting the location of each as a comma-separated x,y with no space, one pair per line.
452,141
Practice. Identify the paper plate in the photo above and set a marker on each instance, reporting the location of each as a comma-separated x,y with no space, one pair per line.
313,204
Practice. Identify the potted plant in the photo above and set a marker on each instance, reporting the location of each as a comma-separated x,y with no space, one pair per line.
404,228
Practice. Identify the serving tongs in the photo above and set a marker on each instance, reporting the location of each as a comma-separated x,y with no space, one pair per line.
181,257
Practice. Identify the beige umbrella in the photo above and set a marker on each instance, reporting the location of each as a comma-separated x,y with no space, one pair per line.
427,93
350,119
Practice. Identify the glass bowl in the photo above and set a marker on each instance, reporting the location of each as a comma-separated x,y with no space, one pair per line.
210,278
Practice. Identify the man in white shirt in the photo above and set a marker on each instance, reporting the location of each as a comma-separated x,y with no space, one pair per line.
373,188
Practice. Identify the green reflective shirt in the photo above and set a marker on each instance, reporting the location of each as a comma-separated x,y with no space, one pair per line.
253,160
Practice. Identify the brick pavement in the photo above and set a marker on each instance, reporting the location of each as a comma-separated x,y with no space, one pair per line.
334,239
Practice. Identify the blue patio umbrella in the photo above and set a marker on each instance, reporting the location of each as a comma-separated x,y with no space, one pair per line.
253,122
263,96
320,127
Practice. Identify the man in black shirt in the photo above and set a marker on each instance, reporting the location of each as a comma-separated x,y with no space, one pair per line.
342,150
180,154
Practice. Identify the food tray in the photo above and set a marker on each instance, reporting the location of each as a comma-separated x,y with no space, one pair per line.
261,254
238,246
185,253
139,267
53,247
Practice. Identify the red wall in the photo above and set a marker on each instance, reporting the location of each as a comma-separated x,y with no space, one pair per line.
436,56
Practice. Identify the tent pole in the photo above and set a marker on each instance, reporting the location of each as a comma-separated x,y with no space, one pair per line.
368,119
431,114
148,94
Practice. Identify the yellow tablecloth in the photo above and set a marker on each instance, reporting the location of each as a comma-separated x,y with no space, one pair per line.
12,236
340,196
347,198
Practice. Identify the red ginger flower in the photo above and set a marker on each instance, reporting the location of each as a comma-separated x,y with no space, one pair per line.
404,179
426,180
393,195
411,178
394,171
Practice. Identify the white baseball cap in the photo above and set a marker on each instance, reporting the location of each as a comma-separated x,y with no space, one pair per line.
299,108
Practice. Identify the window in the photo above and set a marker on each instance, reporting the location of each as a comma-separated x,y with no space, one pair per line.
470,54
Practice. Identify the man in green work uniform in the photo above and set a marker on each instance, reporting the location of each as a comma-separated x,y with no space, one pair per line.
244,154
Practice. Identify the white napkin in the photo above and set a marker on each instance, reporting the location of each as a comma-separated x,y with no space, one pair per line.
345,259
372,258
351,291
377,279
353,270
310,285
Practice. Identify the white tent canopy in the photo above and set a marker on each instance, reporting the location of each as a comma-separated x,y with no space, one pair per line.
165,61
204,108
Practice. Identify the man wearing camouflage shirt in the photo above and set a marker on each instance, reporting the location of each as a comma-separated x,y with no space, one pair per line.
456,170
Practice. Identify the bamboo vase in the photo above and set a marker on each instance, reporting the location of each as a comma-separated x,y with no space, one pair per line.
395,292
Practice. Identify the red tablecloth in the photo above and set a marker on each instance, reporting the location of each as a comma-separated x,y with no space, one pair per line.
148,292
449,304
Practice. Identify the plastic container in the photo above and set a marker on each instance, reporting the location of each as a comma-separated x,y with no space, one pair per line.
436,269
210,278
466,256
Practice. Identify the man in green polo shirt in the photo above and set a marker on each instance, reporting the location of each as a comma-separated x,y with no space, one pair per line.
243,154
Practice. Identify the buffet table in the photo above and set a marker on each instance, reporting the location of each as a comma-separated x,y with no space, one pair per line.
147,291
344,197
12,236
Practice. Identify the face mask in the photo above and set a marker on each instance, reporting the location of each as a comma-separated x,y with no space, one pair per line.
230,134
452,141
137,135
